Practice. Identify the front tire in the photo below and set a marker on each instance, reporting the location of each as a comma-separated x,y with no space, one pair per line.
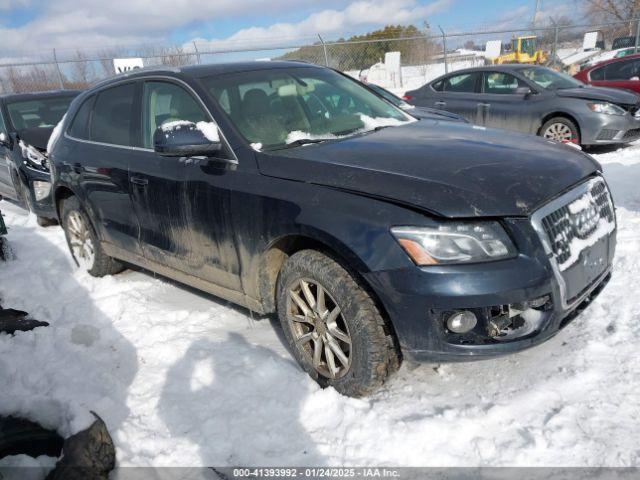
332,325
561,129
83,242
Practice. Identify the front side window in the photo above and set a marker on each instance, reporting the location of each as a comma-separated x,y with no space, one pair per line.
165,102
550,79
111,121
464,83
501,83
278,107
37,113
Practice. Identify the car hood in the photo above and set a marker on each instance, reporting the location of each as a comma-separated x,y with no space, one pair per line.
449,169
612,95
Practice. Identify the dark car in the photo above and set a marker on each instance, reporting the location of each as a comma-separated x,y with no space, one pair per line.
420,112
623,72
294,189
537,100
26,123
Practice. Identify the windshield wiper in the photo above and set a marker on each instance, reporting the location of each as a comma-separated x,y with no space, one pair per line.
304,141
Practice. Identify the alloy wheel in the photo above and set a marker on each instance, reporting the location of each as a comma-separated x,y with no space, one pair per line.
80,240
559,132
319,327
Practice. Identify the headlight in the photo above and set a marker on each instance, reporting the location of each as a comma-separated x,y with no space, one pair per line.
33,157
606,108
455,242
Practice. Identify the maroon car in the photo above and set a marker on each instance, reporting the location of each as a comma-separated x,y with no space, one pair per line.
621,72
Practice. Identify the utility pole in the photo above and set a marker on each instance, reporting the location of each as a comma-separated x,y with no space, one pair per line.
536,12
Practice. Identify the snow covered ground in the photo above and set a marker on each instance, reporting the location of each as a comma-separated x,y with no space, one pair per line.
184,379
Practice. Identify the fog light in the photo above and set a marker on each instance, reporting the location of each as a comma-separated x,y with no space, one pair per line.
462,321
41,190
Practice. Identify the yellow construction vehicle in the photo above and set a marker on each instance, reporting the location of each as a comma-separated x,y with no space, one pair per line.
523,50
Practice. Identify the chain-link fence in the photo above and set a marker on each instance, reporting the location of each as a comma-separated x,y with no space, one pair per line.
421,54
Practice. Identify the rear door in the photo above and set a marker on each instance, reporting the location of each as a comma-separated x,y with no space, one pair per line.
503,106
459,93
104,134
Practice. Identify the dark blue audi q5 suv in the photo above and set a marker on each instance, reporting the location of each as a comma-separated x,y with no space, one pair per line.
374,235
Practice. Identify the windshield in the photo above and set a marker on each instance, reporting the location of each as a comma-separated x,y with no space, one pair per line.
277,108
550,79
38,113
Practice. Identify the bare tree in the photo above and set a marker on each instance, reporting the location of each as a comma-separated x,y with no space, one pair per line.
615,11
81,70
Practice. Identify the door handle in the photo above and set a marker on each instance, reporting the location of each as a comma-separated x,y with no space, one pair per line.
484,105
142,182
441,104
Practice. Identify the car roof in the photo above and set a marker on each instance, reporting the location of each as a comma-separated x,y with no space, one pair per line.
505,67
199,71
20,97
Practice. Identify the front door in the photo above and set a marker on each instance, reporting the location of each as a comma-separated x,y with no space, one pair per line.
504,107
182,203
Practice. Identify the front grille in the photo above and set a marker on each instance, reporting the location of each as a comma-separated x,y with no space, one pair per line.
573,226
631,134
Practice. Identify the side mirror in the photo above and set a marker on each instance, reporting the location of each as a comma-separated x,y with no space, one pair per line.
187,139
524,91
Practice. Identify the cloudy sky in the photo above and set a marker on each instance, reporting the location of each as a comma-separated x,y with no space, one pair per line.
32,25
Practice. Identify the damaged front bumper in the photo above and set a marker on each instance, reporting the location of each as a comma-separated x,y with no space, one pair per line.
517,303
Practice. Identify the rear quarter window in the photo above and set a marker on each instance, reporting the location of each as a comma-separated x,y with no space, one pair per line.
79,127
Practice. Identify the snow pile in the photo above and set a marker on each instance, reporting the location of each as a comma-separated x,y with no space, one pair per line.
369,124
183,379
208,129
23,467
585,205
55,134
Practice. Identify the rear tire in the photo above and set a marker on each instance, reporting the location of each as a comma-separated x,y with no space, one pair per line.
560,129
83,242
357,351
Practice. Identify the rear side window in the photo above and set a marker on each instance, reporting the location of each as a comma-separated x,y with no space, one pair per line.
463,83
80,125
438,86
113,115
